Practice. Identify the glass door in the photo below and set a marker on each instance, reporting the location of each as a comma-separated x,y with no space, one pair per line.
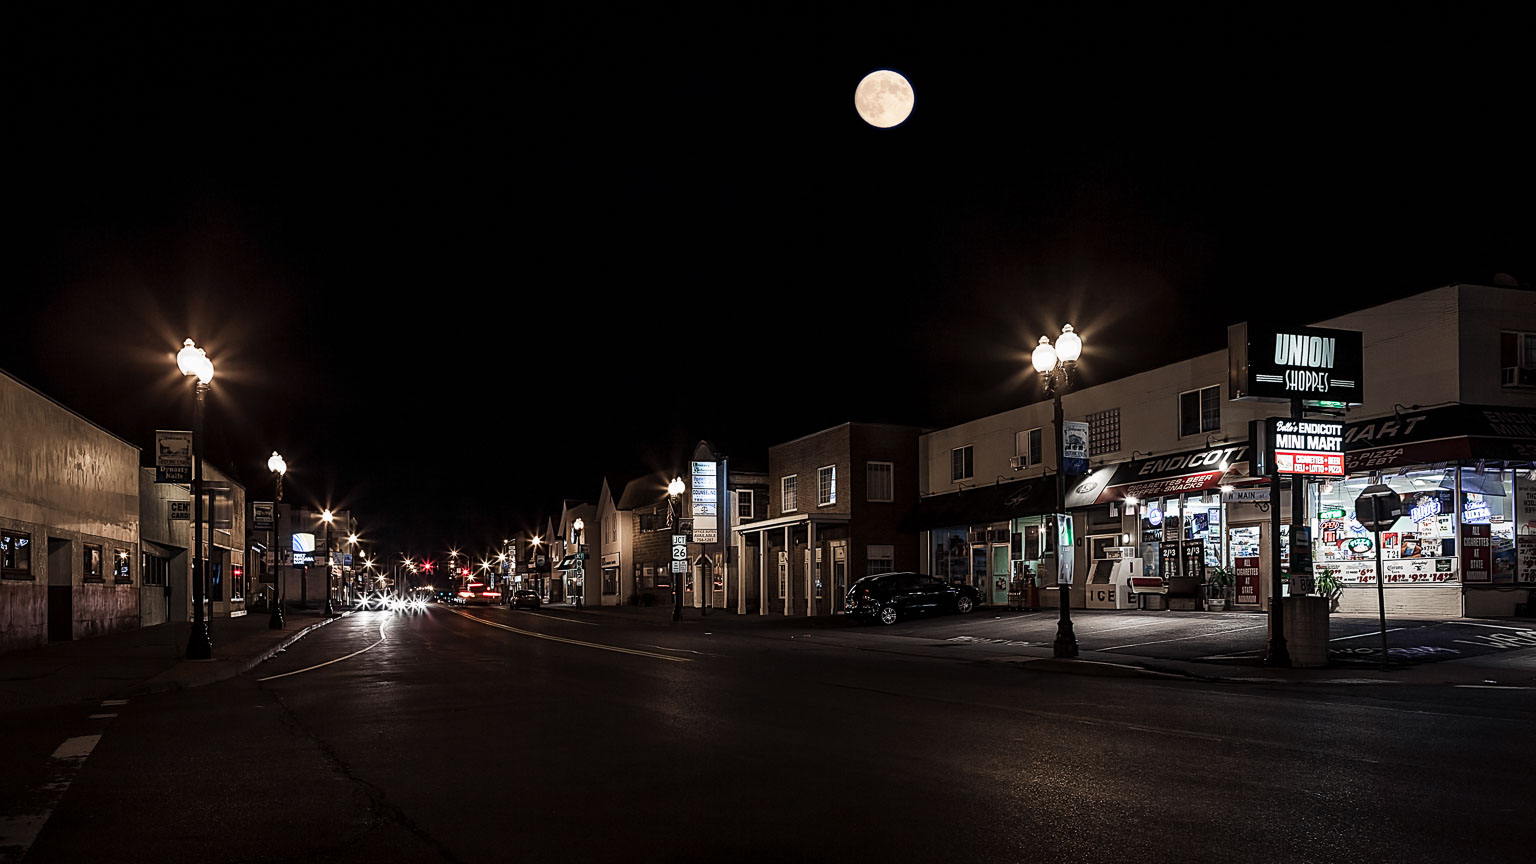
999,593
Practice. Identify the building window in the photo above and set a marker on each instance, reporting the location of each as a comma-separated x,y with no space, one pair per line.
93,563
1027,448
744,504
880,479
826,486
156,570
1200,411
16,554
962,464
882,559
788,502
1104,432
122,570
1517,359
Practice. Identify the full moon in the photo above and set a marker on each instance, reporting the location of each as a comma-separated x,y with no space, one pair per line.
883,98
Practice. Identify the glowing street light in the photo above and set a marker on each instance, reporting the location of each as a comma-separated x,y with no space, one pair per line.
194,363
1055,365
278,467
330,557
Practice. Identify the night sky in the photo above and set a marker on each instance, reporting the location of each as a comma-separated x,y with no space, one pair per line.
460,263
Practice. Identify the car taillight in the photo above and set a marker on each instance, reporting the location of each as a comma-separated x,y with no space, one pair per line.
493,593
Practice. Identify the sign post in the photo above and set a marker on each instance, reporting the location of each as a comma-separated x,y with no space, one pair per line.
1377,508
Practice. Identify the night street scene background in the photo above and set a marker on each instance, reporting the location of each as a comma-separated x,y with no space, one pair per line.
489,276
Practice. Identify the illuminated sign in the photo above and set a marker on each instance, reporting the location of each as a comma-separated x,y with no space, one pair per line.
1302,447
1309,363
1359,545
1475,510
1154,517
1331,513
303,542
1425,509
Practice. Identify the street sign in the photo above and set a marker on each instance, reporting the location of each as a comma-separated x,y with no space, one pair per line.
679,553
173,456
261,515
1378,508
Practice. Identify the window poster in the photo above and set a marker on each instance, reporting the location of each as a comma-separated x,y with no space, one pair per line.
1525,529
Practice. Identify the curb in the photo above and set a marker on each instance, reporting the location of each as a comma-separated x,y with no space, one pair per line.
233,668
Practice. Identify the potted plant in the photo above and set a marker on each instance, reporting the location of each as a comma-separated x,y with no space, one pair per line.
1218,582
1329,586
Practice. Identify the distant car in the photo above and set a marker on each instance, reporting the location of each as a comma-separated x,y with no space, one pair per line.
526,597
889,597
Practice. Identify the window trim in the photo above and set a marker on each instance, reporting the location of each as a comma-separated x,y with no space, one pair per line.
1200,409
869,487
18,573
832,487
783,496
746,496
970,469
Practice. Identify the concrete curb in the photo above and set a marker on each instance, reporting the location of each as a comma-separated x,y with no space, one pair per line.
222,670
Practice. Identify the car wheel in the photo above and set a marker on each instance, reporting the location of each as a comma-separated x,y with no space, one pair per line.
887,615
964,604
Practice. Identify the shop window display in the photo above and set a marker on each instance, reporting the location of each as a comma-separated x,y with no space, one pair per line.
1419,549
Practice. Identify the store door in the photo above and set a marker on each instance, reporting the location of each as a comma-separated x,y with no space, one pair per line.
1250,563
980,570
839,574
998,596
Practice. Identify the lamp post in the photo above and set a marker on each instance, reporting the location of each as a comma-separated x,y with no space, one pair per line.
674,496
537,574
1055,365
328,517
581,527
194,363
278,467
351,581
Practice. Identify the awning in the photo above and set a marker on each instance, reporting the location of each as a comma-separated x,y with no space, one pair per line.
572,562
1192,471
158,550
1451,433
983,504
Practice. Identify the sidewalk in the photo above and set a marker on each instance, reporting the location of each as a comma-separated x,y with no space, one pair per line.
1024,637
148,660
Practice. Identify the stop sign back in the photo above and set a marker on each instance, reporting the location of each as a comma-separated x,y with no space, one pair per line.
1378,507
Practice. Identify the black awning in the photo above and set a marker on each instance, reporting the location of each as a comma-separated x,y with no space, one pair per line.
1451,433
983,504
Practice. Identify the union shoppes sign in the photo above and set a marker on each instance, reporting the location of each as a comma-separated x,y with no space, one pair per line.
1277,364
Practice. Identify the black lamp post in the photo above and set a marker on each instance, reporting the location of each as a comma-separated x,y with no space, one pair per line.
1055,365
278,467
674,496
194,362
328,517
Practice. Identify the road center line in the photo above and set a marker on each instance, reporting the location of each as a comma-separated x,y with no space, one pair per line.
329,662
1370,633
535,635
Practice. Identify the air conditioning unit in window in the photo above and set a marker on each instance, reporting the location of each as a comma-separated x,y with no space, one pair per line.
1511,375
1018,463
1519,376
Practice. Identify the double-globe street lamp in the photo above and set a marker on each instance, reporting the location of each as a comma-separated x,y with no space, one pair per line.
278,467
194,363
1055,365
328,518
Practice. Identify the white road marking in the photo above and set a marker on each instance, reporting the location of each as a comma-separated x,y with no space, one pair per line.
18,831
1182,638
1371,633
567,620
101,716
381,641
1490,626
106,702
1491,687
686,651
615,648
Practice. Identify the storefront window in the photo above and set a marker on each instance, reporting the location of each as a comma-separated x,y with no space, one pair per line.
1420,548
1487,498
951,555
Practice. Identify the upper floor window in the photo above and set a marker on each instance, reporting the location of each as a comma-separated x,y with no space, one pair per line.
744,504
121,570
1200,411
1517,359
826,486
880,481
788,502
92,570
1028,448
962,463
1104,432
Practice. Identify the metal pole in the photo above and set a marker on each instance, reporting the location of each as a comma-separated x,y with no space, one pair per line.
1066,640
275,620
1277,655
199,643
1381,602
677,578
330,559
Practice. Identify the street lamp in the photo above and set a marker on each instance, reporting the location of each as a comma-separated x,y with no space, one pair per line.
351,581
580,527
674,496
278,467
328,517
534,560
1055,366
194,363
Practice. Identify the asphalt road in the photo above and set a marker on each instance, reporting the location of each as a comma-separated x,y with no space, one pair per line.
490,734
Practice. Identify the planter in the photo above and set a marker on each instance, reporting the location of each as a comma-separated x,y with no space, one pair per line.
1216,605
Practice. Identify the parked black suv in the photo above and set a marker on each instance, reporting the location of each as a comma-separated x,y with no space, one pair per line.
888,596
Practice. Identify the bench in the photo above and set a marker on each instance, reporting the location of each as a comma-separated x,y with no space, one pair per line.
1143,586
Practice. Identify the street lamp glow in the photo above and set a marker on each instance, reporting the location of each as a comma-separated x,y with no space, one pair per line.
676,487
327,517
578,525
1069,346
1044,356
192,360
276,465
